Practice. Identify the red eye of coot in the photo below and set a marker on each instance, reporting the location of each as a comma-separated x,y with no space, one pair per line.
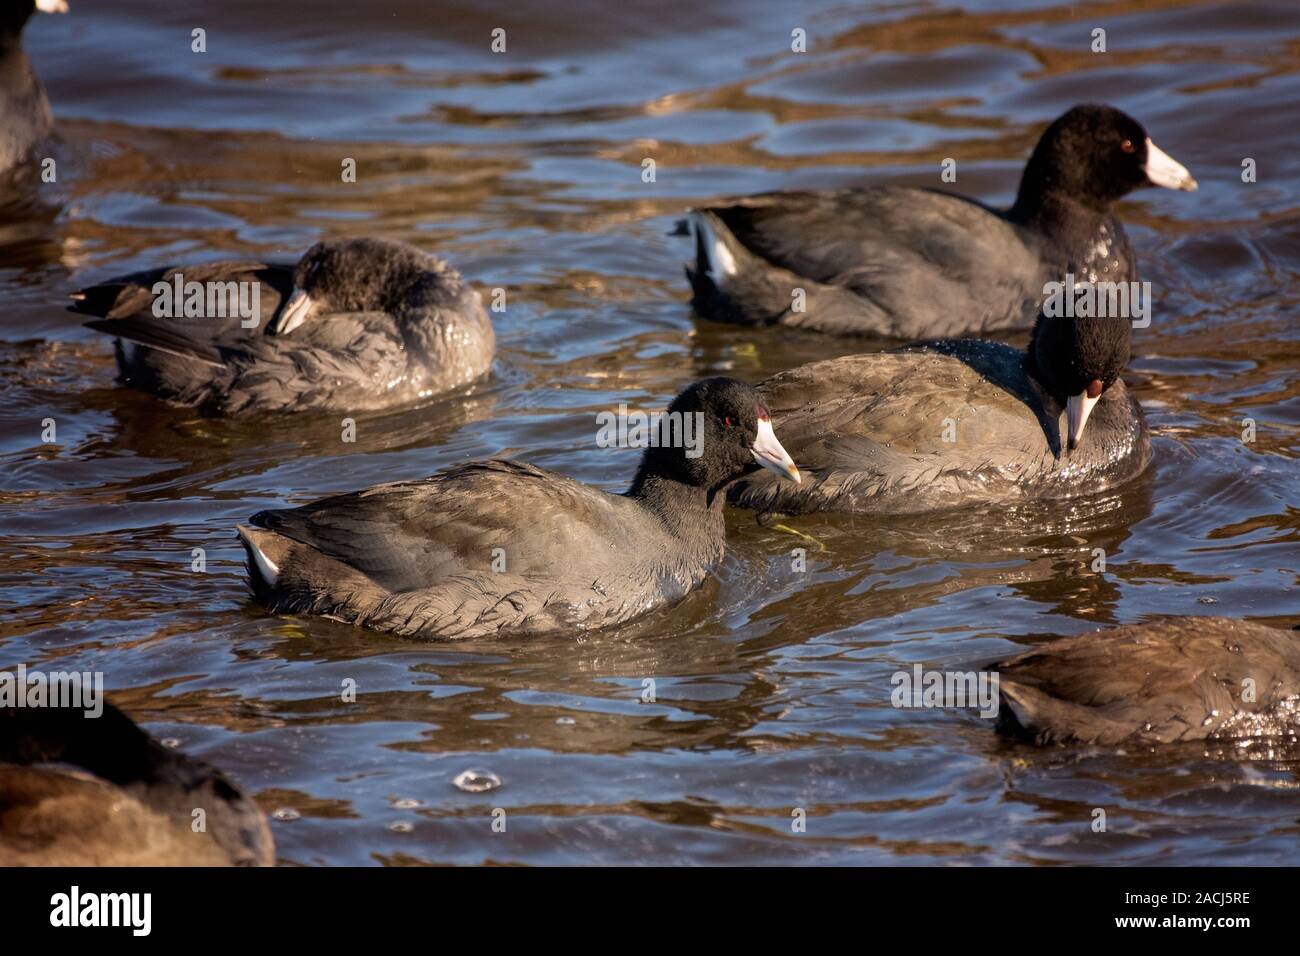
1127,146
729,422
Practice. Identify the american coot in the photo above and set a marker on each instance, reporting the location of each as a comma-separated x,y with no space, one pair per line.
1170,680
77,790
359,324
496,546
917,263
950,423
25,119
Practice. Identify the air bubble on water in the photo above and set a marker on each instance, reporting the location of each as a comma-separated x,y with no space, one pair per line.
1208,600
286,813
401,826
477,781
565,721
404,803
171,743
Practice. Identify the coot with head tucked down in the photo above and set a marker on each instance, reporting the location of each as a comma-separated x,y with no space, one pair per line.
1166,681
960,422
911,263
356,325
500,546
80,790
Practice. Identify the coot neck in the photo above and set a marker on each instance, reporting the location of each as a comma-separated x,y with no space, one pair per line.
687,509
1057,214
11,49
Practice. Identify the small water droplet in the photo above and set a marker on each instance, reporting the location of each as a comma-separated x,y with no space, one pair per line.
171,742
1208,600
477,781
404,803
565,721
286,813
400,826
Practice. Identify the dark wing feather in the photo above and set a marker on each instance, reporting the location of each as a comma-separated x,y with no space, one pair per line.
124,306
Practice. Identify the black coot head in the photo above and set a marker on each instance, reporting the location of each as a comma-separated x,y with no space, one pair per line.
734,436
1096,155
14,14
1076,359
354,275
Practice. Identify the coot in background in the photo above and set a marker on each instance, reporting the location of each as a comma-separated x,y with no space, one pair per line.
900,262
362,324
25,119
958,422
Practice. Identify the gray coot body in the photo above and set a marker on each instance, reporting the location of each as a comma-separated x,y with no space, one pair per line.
356,325
499,546
871,431
1170,680
909,263
25,119
83,791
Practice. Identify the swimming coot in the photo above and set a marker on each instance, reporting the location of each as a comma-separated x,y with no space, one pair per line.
77,790
25,119
1170,680
958,422
502,546
912,263
359,324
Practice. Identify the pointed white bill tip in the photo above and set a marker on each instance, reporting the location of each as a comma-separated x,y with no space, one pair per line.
1077,410
52,6
295,311
1163,170
767,451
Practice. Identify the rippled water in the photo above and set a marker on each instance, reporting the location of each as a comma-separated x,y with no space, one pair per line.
524,169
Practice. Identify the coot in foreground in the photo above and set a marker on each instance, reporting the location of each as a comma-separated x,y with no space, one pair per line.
501,546
77,790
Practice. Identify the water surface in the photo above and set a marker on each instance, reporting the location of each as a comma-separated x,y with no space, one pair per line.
525,169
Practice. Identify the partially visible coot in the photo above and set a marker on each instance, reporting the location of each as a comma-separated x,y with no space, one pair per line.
497,546
1166,681
25,119
356,325
79,790
908,263
960,422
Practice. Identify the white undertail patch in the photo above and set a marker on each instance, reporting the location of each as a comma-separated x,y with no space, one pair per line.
718,260
266,568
